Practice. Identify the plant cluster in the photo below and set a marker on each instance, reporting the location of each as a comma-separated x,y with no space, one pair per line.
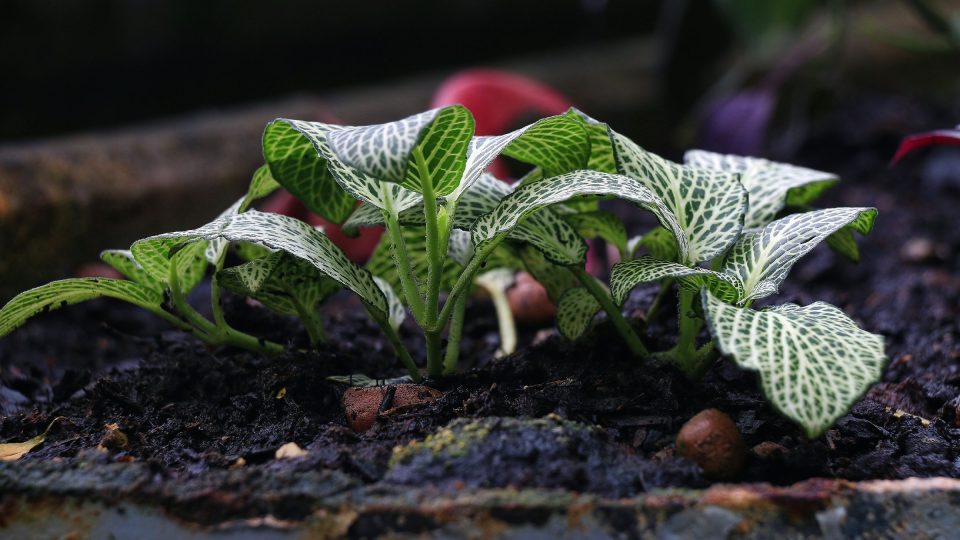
730,230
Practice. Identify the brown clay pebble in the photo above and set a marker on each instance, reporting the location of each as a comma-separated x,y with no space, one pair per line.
529,301
361,405
711,440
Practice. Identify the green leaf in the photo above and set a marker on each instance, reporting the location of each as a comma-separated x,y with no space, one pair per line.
709,206
762,258
771,185
56,294
555,279
560,247
317,191
292,151
814,362
659,242
280,282
122,261
156,257
261,185
382,151
287,234
600,224
602,157
646,269
575,311
844,243
557,145
444,145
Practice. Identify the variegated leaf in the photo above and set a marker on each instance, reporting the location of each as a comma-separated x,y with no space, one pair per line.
709,206
356,183
575,311
381,151
280,281
287,234
397,313
562,248
554,278
444,145
556,143
156,257
600,224
762,258
57,294
602,157
646,269
122,261
659,242
771,185
814,362
292,150
460,247
262,184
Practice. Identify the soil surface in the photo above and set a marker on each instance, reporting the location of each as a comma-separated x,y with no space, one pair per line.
582,416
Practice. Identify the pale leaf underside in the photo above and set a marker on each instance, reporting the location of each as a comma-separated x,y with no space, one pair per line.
708,206
814,362
771,185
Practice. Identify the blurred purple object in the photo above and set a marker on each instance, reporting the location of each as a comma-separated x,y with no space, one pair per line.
738,124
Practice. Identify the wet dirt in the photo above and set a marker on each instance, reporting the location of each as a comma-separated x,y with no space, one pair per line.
188,411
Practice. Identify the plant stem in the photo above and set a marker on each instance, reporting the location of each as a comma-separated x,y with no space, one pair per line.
404,267
186,310
434,265
215,306
452,357
310,319
687,339
505,322
466,278
613,312
398,346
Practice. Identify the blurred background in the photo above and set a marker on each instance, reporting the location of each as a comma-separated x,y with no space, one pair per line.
122,118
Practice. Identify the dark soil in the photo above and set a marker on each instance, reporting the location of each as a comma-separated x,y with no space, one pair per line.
606,424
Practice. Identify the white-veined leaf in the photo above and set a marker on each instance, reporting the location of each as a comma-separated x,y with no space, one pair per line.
771,185
562,248
287,234
397,313
156,258
262,184
57,294
290,148
814,362
659,242
315,191
600,224
381,151
575,311
646,269
709,206
281,282
122,261
460,247
762,258
444,145
382,263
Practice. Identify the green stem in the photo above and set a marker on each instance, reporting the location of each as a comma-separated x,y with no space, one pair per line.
466,278
310,319
215,307
186,310
398,346
613,312
434,256
404,266
235,338
452,357
687,340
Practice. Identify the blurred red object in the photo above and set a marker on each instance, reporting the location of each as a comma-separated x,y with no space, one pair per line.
941,137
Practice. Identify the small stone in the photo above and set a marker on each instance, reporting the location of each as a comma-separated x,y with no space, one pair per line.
529,301
917,250
768,450
290,451
113,439
362,404
711,439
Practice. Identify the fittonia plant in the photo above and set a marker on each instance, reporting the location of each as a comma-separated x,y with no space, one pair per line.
451,228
